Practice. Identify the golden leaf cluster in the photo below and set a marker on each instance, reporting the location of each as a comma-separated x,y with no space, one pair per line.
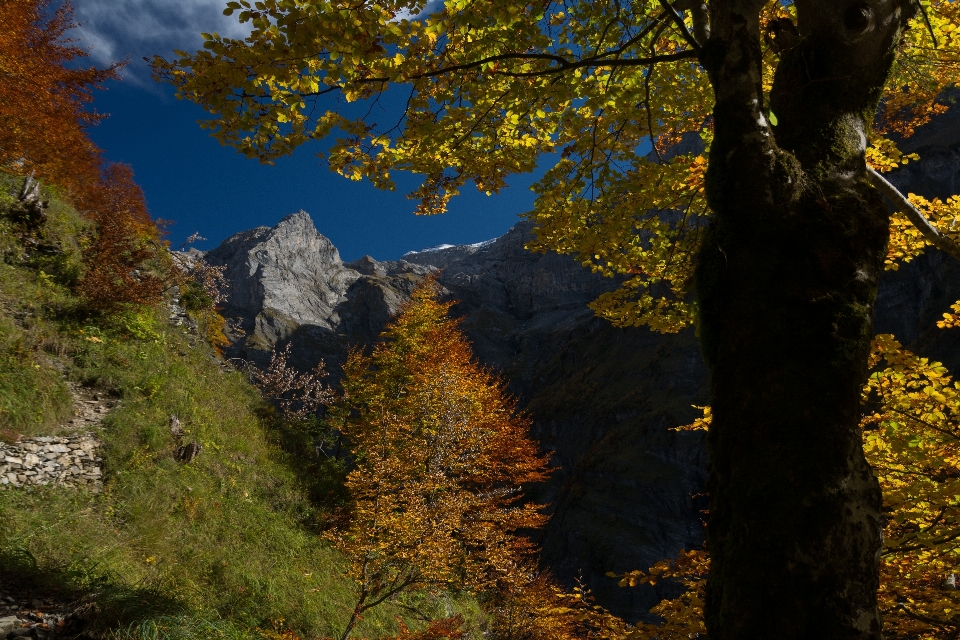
906,241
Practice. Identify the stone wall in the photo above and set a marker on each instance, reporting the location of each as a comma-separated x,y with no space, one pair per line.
71,461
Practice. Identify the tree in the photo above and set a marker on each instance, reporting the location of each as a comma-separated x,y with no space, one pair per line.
773,216
911,431
118,261
43,95
296,395
43,99
440,456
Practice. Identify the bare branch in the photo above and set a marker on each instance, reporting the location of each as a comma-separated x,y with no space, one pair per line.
296,395
927,228
563,64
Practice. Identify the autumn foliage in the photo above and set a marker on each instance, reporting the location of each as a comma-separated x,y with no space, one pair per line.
119,268
493,86
43,96
439,451
441,454
447,628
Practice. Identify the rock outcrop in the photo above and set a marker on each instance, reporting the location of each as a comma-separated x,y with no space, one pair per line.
288,284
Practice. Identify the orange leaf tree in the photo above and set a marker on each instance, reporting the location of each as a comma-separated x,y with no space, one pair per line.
125,263
440,455
43,96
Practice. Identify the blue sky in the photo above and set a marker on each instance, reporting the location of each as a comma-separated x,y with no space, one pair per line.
201,186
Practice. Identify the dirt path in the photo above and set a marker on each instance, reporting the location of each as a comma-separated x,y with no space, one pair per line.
89,409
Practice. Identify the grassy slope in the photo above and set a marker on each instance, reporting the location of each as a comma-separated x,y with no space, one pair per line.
224,541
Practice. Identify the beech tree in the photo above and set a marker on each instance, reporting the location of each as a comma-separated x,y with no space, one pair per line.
123,262
440,455
766,227
911,432
44,93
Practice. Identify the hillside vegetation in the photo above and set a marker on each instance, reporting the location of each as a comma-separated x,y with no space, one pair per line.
224,546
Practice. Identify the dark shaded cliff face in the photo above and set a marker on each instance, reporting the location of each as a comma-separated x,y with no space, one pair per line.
912,299
627,491
602,399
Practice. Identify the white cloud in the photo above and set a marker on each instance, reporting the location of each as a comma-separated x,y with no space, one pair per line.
428,9
113,30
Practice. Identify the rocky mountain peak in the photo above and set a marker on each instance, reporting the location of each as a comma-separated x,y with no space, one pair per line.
282,277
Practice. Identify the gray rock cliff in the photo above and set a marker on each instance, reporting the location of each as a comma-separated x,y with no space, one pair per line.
288,284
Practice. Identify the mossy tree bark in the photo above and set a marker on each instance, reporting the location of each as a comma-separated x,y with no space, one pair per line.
786,283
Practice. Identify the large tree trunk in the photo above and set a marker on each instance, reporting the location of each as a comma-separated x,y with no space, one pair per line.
786,282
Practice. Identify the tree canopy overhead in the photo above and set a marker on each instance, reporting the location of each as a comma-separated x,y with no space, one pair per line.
490,86
766,226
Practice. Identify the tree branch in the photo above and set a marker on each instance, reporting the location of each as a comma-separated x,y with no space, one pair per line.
646,102
700,14
390,592
927,228
563,63
678,20
923,618
909,416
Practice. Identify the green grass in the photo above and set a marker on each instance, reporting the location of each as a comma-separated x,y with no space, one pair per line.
33,396
216,548
225,532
